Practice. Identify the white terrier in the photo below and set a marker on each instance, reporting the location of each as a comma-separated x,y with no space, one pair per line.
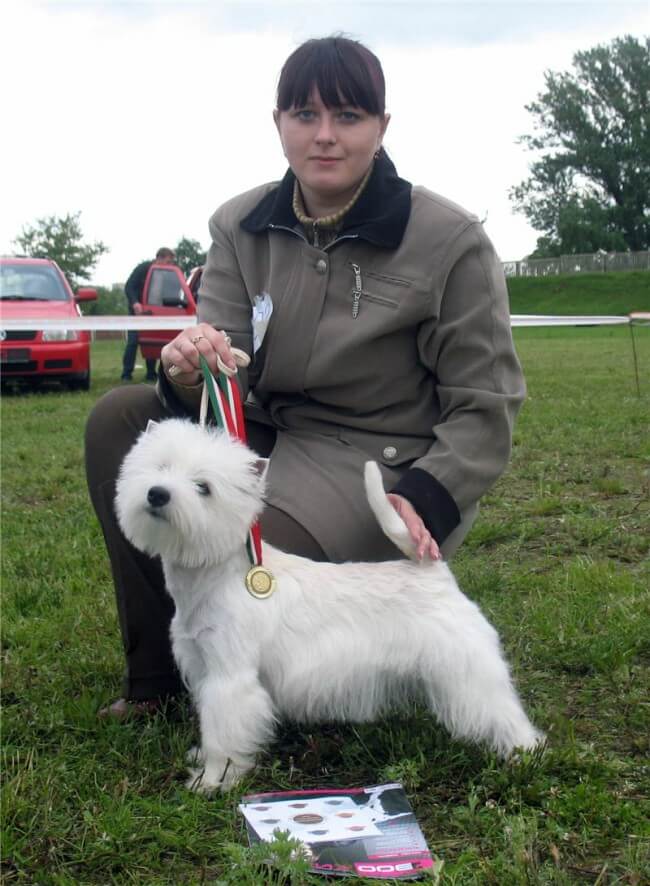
334,642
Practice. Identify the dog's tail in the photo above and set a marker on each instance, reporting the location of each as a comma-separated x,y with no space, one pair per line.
387,517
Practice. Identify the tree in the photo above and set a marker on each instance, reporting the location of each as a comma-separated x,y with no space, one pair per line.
590,188
189,255
61,239
109,301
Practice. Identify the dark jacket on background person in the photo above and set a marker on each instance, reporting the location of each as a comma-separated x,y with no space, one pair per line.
135,284
424,378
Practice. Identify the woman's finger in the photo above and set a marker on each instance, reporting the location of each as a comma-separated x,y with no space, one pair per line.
429,548
425,544
181,356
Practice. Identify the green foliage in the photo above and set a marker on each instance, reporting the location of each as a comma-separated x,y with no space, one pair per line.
109,301
189,255
61,239
590,188
558,560
583,226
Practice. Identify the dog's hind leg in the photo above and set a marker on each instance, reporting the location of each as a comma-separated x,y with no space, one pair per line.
470,690
237,720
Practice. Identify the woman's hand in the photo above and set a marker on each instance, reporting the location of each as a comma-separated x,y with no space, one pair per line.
425,545
180,357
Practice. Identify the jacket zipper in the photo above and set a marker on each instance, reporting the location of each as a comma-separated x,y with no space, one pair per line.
302,236
357,291
338,240
290,230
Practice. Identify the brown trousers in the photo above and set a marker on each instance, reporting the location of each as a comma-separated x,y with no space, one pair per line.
144,608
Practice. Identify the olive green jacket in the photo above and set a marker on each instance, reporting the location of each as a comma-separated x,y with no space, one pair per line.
393,343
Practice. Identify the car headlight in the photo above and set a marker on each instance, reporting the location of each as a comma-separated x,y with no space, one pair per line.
60,335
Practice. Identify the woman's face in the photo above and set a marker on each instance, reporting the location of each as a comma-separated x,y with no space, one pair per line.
329,149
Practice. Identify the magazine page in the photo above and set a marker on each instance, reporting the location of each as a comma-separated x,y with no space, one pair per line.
366,832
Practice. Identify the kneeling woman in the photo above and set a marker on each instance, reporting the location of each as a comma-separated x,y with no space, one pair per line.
376,317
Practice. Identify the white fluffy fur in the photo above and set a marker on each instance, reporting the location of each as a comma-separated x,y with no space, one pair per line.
345,641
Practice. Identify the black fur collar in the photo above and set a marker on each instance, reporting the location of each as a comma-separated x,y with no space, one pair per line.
379,216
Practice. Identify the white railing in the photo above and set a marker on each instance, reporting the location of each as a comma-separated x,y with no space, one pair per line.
588,263
124,322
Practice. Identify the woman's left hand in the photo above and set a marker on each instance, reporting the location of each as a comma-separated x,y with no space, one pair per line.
426,545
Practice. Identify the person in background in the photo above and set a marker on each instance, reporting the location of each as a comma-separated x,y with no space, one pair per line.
133,291
376,317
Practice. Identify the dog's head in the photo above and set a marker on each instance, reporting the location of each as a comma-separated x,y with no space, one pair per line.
189,494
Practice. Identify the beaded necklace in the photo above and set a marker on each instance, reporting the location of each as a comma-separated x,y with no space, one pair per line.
330,222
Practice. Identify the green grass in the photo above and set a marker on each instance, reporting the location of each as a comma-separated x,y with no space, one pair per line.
612,293
558,561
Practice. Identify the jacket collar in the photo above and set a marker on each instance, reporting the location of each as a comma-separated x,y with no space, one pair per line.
379,216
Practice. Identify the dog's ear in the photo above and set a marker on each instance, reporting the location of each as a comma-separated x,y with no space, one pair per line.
151,424
260,467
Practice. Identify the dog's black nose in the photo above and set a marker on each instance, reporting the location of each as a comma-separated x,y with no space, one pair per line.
158,496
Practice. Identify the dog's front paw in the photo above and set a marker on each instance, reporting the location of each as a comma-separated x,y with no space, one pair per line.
233,775
216,776
195,782
194,757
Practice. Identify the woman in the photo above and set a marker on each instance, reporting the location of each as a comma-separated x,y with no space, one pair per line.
388,338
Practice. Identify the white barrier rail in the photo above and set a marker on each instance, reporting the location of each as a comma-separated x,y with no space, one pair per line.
126,322
581,320
91,323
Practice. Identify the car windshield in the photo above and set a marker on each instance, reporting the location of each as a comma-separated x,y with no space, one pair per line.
24,282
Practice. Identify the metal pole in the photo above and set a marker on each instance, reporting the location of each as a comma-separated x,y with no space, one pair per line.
636,365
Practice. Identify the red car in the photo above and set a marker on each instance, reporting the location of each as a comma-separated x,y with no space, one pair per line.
194,281
36,288
165,294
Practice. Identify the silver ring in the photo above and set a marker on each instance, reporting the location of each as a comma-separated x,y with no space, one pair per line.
173,370
196,339
227,337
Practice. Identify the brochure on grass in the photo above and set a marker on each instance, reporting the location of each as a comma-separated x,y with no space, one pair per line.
366,832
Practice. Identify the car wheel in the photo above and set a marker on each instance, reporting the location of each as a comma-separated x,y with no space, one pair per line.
81,382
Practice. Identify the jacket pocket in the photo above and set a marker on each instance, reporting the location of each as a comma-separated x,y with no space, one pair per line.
388,279
379,299
382,289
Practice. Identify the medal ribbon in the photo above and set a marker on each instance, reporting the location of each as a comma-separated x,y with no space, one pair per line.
228,411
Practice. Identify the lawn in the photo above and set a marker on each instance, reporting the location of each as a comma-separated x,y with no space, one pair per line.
558,561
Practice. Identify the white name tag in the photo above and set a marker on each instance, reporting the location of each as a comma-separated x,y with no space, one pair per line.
262,310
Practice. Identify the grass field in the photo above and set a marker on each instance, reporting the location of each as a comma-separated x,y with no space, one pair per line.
558,561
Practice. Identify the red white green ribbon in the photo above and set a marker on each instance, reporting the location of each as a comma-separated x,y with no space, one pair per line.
228,412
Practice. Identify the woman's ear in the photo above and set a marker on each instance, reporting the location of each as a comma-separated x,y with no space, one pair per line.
383,128
276,120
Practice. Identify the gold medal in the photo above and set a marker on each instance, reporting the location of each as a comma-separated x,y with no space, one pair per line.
260,582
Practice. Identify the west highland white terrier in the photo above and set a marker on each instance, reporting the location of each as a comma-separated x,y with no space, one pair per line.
342,641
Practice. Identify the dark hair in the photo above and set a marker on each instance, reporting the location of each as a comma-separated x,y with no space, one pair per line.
343,71
164,252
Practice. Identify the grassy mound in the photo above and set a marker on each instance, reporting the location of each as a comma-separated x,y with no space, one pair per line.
611,293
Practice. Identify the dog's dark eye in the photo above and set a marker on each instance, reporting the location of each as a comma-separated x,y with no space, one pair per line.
203,488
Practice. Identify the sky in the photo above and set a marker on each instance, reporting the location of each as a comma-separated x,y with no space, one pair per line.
146,116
